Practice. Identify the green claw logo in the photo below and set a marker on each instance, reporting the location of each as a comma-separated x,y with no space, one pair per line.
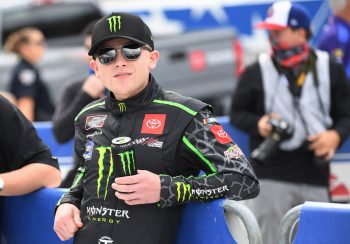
102,152
186,188
127,160
112,22
122,107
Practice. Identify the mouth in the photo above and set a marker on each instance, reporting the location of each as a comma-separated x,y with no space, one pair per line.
122,74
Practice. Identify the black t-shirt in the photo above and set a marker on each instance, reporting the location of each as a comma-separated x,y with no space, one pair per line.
20,144
26,82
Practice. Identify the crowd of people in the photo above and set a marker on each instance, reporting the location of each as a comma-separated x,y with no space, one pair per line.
293,102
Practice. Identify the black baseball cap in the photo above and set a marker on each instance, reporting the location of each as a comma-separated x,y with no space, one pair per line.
119,24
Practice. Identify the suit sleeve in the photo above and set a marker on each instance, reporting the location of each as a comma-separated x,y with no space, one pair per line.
74,195
227,172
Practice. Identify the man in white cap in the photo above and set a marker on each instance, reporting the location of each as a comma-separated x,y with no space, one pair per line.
294,104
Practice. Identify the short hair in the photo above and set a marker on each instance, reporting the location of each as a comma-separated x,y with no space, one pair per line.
337,5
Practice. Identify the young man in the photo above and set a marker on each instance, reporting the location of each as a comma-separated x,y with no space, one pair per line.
26,163
295,100
168,140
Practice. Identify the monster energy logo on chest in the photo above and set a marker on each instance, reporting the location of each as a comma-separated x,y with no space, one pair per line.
121,157
122,107
112,23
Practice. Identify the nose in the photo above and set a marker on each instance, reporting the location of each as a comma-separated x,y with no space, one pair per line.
120,60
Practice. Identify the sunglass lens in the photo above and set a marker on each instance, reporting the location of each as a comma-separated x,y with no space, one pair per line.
106,56
131,52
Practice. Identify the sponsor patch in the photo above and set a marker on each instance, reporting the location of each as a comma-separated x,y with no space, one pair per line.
153,142
153,124
105,240
27,77
96,121
96,133
210,121
233,152
89,147
220,134
149,141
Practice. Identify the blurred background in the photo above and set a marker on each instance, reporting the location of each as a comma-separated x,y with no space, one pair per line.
204,45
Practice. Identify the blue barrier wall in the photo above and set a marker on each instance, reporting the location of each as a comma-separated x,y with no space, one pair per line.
323,223
29,219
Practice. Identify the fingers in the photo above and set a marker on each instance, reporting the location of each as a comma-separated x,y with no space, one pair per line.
67,221
330,155
263,126
142,188
322,145
77,219
128,180
124,188
65,231
126,196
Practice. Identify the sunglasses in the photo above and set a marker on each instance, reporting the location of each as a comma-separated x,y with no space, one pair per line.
130,52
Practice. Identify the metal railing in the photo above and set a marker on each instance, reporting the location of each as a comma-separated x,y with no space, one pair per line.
232,209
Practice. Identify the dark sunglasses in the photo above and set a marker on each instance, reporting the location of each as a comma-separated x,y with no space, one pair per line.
130,52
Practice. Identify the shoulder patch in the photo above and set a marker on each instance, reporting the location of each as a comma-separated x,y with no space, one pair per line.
220,134
27,77
210,120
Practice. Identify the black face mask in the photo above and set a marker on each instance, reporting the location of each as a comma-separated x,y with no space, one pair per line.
289,56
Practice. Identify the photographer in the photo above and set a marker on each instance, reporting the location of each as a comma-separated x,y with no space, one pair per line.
294,104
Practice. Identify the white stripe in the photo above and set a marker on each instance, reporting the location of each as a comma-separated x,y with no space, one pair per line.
280,13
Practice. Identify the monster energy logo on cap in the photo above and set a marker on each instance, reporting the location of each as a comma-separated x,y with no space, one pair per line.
112,22
122,107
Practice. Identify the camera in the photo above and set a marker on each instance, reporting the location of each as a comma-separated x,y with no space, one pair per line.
280,131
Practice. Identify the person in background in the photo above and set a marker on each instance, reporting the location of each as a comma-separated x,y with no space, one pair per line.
335,37
75,97
161,140
294,103
26,163
32,95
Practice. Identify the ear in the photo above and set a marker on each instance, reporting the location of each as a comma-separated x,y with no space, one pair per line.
154,56
94,66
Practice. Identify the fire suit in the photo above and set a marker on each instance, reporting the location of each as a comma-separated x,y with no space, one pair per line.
173,136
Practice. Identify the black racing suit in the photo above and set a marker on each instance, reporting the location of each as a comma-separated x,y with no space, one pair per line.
173,136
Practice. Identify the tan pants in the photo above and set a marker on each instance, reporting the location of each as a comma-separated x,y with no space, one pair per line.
274,201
